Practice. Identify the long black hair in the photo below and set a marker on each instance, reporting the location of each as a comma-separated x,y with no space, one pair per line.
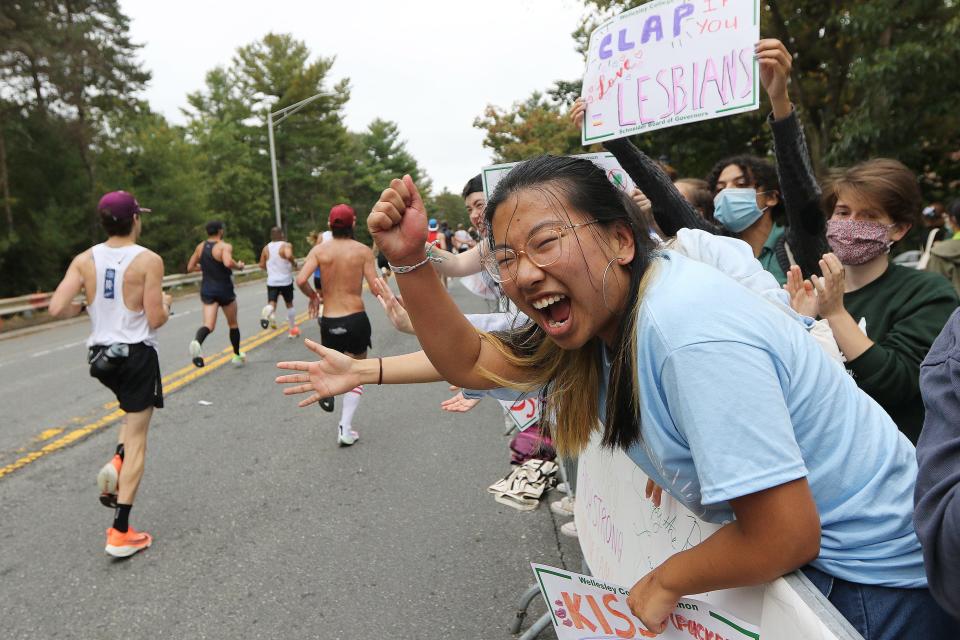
584,187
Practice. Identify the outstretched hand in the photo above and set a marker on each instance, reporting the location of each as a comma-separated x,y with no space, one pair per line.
459,404
398,223
329,376
393,306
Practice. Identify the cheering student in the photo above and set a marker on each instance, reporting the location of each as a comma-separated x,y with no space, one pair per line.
718,396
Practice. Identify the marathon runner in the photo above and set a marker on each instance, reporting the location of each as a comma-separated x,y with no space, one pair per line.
123,285
278,261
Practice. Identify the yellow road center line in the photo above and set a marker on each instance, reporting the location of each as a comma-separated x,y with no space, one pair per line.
82,432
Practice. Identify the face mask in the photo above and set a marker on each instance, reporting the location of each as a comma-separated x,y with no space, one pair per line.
857,241
736,209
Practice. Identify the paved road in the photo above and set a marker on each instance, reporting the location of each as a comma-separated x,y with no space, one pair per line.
263,527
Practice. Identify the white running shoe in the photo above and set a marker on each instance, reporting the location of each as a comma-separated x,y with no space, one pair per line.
569,529
265,314
563,506
196,353
346,439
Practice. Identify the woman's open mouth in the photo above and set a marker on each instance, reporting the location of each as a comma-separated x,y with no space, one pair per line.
555,310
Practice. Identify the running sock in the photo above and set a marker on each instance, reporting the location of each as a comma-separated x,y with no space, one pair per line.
291,317
351,401
121,517
202,334
119,450
235,339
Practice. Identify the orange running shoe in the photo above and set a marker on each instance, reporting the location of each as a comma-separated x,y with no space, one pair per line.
294,332
123,545
108,479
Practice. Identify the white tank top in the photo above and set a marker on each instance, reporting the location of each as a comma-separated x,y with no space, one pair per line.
279,270
112,321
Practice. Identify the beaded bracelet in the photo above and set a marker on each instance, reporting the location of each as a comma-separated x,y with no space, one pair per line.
430,258
413,267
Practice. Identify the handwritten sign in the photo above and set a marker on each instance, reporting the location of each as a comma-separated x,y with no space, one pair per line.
670,62
623,536
493,174
586,608
524,412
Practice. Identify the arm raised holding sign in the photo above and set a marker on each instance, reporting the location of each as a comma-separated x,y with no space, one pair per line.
805,235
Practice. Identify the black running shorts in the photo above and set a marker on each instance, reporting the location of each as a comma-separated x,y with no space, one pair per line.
223,299
346,334
286,291
136,382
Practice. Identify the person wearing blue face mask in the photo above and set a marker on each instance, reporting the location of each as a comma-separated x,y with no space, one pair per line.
763,197
748,205
737,209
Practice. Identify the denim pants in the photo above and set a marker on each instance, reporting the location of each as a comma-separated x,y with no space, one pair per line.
886,613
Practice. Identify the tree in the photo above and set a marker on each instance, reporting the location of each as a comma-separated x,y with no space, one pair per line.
66,67
536,126
232,160
380,155
154,161
313,147
450,207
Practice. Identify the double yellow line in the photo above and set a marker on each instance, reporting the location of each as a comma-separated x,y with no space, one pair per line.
171,383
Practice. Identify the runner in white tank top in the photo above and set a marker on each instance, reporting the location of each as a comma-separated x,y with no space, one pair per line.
112,321
277,258
119,277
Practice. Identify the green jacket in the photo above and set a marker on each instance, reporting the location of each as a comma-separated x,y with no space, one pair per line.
904,310
945,260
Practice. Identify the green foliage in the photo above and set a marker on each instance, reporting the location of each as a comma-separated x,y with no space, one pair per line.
66,68
450,207
319,162
536,126
379,155
72,128
153,160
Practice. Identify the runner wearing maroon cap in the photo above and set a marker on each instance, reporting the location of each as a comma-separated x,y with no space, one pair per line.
344,325
123,286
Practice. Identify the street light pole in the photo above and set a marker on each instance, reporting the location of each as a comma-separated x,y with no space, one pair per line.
273,169
284,113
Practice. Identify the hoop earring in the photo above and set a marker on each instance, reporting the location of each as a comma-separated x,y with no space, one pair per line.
603,283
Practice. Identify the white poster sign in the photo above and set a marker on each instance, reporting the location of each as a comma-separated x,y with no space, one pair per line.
524,412
586,608
670,62
493,174
623,537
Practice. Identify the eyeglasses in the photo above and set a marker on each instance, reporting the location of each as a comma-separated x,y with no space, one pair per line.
543,248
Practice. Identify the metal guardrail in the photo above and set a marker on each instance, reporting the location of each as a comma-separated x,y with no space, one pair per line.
34,302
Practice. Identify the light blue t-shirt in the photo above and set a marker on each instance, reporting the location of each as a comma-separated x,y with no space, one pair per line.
736,398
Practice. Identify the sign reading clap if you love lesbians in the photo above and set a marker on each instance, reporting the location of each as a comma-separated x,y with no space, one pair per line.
670,62
586,608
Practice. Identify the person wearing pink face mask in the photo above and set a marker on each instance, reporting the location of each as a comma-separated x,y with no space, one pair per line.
884,316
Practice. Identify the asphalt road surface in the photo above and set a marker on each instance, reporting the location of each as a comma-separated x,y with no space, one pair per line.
263,527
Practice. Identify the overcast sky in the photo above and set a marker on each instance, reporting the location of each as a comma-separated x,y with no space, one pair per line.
431,66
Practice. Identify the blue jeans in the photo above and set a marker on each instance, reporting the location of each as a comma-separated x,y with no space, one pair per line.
886,613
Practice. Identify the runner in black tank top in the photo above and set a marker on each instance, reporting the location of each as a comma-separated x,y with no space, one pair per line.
217,283
216,291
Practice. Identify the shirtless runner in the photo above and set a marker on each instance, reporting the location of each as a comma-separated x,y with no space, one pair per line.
344,325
